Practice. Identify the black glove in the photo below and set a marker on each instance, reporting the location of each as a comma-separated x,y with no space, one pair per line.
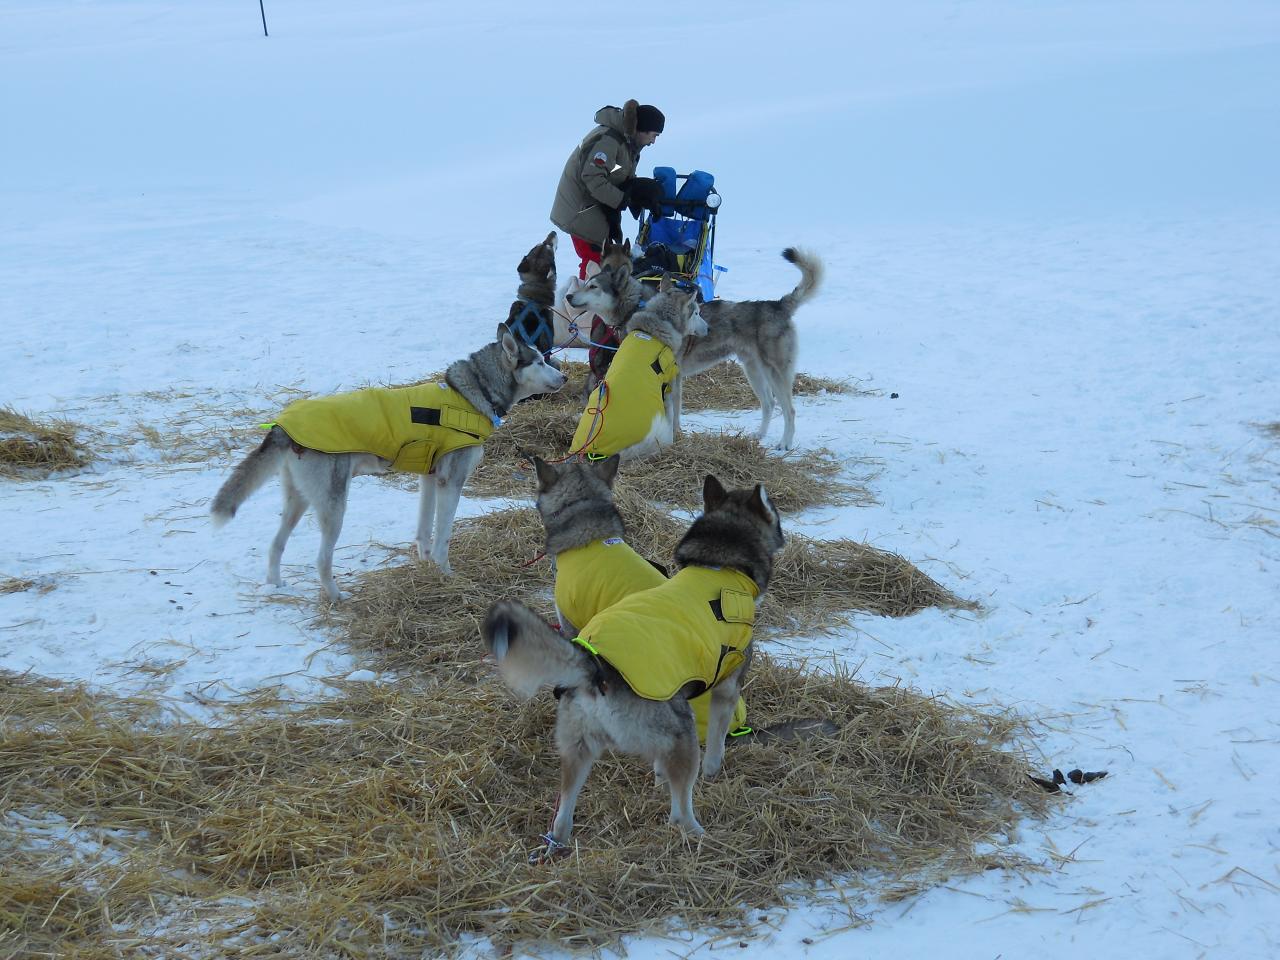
614,219
643,193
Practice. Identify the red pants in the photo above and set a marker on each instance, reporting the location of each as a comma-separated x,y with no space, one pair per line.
588,251
598,357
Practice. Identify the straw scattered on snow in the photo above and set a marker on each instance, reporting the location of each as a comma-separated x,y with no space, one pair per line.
31,447
405,613
675,474
397,817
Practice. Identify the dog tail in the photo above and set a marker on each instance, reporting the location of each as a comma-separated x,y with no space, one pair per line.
250,473
810,276
530,654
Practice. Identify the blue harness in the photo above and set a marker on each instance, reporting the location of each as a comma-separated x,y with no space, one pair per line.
534,326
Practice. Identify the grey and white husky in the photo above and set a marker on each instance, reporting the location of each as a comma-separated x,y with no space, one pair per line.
492,379
612,292
643,421
761,336
586,539
734,540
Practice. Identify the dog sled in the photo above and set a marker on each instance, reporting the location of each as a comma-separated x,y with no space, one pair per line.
682,240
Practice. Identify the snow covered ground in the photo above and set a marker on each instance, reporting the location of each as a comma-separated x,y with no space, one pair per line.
1050,229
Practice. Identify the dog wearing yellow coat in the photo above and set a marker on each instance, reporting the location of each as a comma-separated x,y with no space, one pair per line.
435,430
631,412
595,566
626,679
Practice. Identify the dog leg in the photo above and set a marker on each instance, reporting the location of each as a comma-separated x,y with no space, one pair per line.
784,383
724,697
447,497
759,380
295,505
677,397
426,513
451,473
680,767
575,764
330,511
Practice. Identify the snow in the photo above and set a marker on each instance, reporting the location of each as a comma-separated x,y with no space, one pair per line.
1050,229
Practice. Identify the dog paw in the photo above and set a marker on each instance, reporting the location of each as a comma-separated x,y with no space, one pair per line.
689,827
424,549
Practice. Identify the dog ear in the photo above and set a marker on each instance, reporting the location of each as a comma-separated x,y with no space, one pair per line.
624,268
665,283
712,493
761,504
607,470
546,474
509,346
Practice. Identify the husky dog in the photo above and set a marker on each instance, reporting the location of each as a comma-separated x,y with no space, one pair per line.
624,683
631,411
595,567
612,293
760,334
531,318
436,430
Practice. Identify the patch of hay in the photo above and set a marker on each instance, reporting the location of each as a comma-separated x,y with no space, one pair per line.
674,475
30,447
401,817
794,482
1271,430
409,614
725,387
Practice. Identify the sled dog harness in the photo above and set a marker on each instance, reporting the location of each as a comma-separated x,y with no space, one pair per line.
695,627
633,391
410,426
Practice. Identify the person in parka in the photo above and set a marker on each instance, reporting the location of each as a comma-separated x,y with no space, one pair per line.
598,181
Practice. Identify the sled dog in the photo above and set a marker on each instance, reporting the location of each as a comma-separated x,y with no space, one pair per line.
760,334
531,317
611,292
436,430
631,411
595,566
586,539
624,682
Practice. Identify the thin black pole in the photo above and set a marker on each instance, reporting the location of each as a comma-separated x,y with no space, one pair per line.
264,18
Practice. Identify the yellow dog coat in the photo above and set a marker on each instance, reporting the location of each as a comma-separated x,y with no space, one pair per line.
596,576
621,410
410,426
696,626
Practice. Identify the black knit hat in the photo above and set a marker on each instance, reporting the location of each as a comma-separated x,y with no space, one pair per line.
649,119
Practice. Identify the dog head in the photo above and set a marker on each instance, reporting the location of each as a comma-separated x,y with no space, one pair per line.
685,314
531,374
738,528
575,501
603,292
538,266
